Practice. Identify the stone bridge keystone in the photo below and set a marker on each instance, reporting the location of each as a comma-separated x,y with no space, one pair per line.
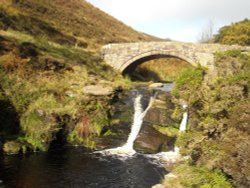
124,57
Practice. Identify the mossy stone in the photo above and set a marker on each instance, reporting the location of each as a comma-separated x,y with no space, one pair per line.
12,147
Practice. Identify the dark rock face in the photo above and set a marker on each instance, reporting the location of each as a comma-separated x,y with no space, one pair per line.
28,49
9,119
159,116
151,141
118,137
5,44
161,111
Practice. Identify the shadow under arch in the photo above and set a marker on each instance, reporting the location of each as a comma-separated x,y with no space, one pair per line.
131,64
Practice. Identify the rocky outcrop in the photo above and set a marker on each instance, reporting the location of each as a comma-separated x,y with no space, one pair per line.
97,90
155,85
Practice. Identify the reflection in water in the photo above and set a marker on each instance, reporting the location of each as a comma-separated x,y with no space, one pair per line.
73,167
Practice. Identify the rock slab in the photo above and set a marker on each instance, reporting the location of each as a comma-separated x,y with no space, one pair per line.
97,90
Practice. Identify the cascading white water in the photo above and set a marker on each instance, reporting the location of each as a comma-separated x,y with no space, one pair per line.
127,149
183,125
136,126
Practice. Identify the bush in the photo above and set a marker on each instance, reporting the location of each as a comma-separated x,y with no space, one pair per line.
39,122
219,135
188,83
236,33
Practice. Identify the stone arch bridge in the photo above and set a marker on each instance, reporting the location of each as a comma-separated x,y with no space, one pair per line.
124,57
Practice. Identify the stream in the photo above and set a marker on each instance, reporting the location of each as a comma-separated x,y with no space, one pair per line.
75,167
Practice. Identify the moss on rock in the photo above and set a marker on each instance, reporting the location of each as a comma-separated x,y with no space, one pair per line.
12,147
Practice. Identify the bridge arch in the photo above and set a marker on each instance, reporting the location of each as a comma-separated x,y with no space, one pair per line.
121,56
129,65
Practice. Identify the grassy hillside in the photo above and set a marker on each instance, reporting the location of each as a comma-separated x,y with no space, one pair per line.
47,56
74,22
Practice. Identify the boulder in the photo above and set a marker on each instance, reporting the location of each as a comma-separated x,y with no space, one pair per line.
151,141
97,90
155,85
159,186
114,136
161,111
12,147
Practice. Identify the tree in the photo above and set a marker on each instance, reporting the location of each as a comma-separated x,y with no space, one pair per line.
207,33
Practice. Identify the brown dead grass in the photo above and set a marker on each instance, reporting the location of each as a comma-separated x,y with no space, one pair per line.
85,126
12,63
67,19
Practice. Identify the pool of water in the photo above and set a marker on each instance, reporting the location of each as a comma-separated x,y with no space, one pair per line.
74,167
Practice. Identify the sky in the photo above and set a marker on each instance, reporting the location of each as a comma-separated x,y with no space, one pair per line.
182,20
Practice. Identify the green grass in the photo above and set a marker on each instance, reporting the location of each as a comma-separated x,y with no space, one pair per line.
193,176
39,129
236,53
188,83
190,77
169,130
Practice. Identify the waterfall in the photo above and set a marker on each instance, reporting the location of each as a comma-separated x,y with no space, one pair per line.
137,122
139,114
183,125
128,150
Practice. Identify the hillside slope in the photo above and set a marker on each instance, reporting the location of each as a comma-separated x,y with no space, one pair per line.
71,22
